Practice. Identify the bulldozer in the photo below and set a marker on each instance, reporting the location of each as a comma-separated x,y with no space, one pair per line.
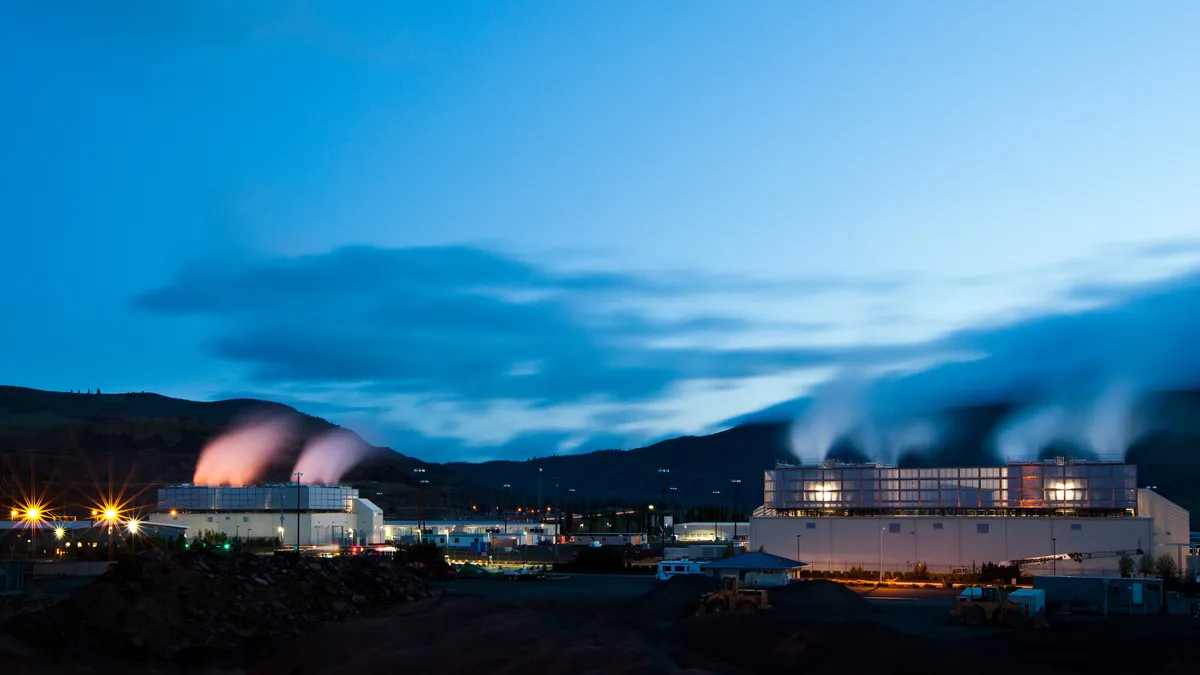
989,605
731,596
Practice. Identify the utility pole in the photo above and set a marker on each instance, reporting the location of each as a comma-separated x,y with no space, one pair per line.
298,475
540,512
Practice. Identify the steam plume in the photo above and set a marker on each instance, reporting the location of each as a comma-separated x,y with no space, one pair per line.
326,458
1106,425
845,410
832,415
239,456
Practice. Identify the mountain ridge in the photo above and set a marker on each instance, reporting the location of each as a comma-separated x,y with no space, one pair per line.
159,438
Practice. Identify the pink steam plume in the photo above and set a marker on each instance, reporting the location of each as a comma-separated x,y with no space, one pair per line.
240,455
326,458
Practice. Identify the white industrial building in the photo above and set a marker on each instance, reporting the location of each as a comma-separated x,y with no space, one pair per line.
837,516
322,514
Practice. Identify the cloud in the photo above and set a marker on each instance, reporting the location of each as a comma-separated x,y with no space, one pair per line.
465,323
1049,363
462,351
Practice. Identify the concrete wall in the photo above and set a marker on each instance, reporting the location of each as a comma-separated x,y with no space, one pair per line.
1171,526
945,544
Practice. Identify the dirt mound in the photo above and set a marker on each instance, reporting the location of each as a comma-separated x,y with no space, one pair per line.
670,600
200,606
467,635
767,643
818,598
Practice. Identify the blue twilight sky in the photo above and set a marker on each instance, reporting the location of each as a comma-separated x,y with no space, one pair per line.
483,229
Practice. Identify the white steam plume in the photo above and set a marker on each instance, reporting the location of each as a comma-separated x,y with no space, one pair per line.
830,417
1106,425
326,458
240,455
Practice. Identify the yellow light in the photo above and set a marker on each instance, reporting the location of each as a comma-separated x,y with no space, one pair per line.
174,513
110,513
33,513
59,532
14,513
133,526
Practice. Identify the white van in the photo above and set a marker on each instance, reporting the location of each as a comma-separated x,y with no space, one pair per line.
676,568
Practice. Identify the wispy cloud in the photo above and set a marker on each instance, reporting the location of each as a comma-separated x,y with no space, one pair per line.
463,347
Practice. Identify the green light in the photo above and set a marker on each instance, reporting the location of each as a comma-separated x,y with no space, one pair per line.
226,546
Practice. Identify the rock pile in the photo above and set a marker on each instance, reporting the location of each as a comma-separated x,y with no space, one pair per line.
200,606
818,598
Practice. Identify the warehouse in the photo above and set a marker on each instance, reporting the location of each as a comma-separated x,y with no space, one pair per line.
838,516
323,514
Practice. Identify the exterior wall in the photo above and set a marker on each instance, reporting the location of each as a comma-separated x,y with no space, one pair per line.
315,528
1171,527
947,543
368,521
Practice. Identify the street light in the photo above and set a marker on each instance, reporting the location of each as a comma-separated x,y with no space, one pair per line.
662,523
881,531
504,506
420,521
798,553
570,502
716,514
736,482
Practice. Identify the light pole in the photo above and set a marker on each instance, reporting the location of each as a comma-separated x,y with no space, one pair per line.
736,482
558,521
674,509
419,474
504,506
716,514
1054,559
662,502
298,475
881,531
570,505
423,487
798,549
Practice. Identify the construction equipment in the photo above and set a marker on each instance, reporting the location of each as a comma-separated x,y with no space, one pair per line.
989,605
731,596
1029,563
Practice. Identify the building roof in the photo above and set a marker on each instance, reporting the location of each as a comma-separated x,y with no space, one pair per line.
755,560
